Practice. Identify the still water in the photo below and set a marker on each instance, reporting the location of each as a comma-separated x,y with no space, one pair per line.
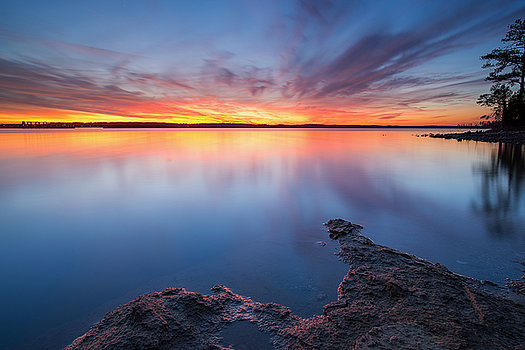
92,218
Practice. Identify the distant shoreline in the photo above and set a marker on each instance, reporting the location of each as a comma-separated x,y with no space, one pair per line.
149,125
503,136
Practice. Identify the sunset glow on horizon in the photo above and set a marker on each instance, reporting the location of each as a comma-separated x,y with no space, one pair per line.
291,62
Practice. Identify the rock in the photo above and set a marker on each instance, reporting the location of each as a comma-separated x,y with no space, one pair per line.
388,299
518,285
177,319
339,227
505,136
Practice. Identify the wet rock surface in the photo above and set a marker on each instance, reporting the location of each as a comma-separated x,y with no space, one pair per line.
518,285
505,136
388,300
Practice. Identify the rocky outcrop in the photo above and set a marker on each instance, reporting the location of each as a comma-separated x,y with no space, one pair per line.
177,319
388,300
504,136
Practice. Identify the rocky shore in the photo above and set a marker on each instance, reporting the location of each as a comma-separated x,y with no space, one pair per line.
388,300
505,136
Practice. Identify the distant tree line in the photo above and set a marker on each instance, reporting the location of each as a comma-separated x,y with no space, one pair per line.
507,94
127,125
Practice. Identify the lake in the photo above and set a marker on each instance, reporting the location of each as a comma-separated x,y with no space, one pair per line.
91,218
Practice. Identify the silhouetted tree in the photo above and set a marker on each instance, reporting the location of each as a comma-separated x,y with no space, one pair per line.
508,65
498,100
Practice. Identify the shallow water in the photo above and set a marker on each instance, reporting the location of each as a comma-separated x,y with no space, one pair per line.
93,218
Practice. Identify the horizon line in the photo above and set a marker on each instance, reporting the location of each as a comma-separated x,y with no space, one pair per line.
130,124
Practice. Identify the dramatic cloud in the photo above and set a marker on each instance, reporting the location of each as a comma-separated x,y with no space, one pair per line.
344,62
376,57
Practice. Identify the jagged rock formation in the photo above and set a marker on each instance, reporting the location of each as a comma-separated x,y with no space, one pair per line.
388,300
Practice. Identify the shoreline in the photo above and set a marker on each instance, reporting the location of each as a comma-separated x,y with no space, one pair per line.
161,125
388,299
503,136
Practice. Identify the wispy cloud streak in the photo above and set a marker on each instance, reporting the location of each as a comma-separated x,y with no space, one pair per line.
315,61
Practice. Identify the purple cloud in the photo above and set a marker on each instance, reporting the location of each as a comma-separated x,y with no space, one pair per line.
338,56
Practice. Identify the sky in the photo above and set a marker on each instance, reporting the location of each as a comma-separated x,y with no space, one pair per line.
378,62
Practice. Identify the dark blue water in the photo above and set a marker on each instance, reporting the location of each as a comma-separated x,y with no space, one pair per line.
91,219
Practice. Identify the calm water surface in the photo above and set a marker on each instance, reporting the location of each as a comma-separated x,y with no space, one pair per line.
92,218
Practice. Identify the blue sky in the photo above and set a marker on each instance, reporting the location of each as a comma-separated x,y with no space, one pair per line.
346,62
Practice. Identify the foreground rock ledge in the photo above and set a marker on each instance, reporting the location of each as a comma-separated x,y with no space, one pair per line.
388,300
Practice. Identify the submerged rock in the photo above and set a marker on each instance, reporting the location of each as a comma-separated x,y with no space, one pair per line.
518,285
388,300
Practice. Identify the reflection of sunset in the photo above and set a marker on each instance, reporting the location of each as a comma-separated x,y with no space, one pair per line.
101,211
212,144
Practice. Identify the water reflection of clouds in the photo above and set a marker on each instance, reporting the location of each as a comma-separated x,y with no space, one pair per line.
229,206
309,172
234,170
